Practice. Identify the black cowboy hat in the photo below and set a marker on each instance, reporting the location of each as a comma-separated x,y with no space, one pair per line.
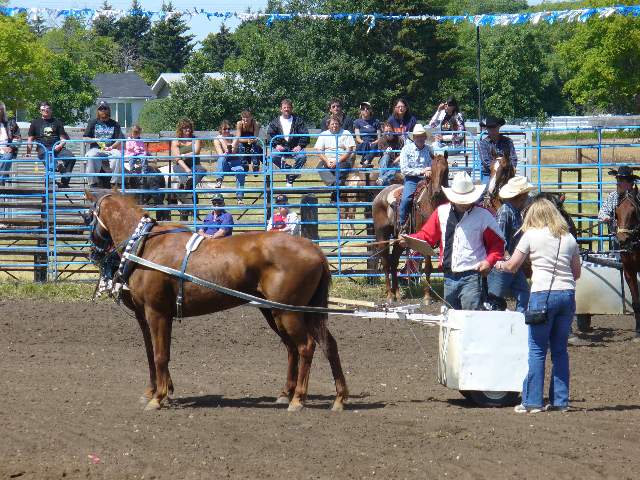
491,122
624,172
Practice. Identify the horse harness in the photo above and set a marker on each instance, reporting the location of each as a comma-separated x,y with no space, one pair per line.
105,254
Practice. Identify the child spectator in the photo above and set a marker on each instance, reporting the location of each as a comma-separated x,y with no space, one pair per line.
136,150
283,220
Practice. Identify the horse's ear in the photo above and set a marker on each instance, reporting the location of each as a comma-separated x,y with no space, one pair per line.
561,198
446,155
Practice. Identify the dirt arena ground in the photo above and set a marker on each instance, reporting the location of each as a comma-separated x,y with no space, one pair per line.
72,374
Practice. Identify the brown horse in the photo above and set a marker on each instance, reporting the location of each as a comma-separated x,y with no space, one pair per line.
502,170
384,222
628,233
275,266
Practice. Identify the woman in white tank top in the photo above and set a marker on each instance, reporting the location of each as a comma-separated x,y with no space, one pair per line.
555,262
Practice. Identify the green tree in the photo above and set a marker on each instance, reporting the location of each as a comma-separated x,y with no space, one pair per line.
38,26
216,48
168,47
105,25
602,64
132,33
22,60
83,45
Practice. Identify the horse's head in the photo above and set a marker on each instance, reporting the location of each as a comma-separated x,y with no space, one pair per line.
99,235
558,200
504,171
628,219
440,170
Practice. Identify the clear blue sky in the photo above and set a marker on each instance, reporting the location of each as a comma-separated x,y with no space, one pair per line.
200,25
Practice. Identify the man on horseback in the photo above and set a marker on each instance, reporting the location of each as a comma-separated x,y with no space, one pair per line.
415,164
625,180
515,195
494,144
470,242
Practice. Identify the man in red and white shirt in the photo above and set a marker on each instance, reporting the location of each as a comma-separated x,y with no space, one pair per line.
470,242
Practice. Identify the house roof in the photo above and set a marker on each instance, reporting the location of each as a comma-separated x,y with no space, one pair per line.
122,85
167,78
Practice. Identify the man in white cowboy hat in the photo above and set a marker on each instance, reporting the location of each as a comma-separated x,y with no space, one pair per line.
494,144
470,242
415,164
515,195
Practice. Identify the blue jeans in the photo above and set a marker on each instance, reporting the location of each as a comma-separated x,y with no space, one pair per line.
253,152
5,166
463,290
552,336
410,185
387,169
367,151
280,160
234,164
501,284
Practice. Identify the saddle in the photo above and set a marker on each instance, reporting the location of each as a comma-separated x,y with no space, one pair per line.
393,199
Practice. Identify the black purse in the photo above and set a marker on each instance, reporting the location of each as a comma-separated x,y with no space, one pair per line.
538,317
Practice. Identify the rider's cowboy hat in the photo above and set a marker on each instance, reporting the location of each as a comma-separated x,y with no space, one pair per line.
516,186
419,130
491,122
624,172
462,190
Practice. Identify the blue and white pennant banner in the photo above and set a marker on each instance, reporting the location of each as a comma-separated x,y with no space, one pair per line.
370,19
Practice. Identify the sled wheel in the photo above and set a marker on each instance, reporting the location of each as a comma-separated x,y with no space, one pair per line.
491,399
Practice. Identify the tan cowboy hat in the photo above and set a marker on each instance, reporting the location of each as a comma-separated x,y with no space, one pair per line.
515,186
462,190
419,130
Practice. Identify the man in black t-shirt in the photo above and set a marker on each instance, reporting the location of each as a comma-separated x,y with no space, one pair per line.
103,130
50,133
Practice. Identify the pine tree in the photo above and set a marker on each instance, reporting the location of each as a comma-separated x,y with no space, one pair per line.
216,48
132,33
105,25
38,26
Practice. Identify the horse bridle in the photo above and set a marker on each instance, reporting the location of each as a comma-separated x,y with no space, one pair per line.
99,235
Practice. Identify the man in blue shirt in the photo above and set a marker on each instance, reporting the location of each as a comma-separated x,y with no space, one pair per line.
415,164
218,223
494,145
515,195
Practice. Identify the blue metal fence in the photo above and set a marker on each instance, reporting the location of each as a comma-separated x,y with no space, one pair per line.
41,230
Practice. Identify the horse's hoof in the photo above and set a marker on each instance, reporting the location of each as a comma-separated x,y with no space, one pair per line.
337,406
295,407
144,399
282,399
153,405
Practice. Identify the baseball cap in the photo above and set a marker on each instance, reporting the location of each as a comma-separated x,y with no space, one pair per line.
281,199
217,197
102,105
365,104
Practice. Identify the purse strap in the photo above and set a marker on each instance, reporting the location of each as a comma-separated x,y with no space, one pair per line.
553,274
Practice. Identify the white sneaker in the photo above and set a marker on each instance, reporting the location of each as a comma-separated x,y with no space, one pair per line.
522,409
289,185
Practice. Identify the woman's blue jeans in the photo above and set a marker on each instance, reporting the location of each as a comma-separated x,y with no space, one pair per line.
552,335
235,165
387,169
253,154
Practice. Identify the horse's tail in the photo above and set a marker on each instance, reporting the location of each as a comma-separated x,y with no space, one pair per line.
317,322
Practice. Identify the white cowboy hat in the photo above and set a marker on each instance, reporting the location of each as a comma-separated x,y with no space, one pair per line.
419,130
462,190
515,186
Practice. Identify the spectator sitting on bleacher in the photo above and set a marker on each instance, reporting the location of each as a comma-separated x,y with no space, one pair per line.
448,119
367,130
49,131
283,220
104,131
390,144
218,223
228,160
401,119
136,150
335,107
9,132
246,143
494,144
335,148
286,145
